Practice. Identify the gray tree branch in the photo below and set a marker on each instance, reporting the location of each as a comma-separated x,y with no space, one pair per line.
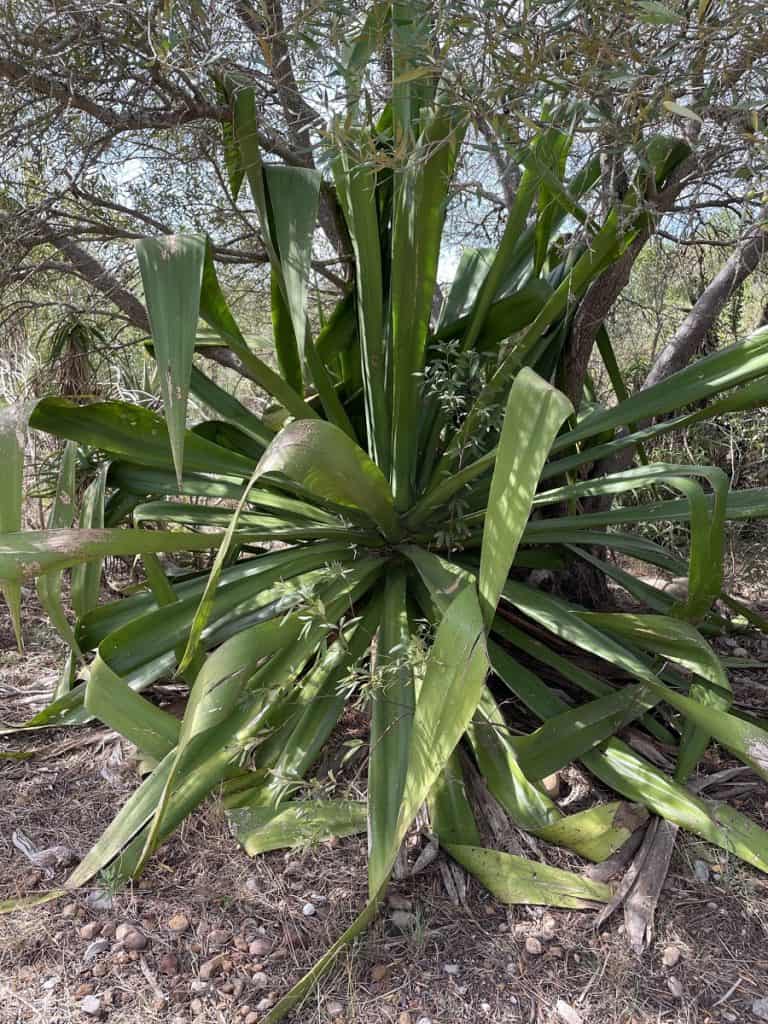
693,330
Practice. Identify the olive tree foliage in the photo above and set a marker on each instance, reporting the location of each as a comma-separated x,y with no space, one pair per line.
116,124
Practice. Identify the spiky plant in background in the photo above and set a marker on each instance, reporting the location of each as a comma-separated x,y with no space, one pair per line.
414,475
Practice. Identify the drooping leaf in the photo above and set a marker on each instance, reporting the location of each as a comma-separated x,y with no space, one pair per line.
296,823
517,880
320,457
136,434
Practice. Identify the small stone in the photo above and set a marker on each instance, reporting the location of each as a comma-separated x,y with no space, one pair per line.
548,927
259,980
99,900
556,951
70,910
266,1003
485,1007
379,972
135,940
219,937
253,1017
196,1006
309,910
91,1005
97,947
100,970
424,1020
532,946
198,986
90,930
760,1008
675,987
108,930
50,983
740,652
131,937
551,785
335,1008
701,871
671,956
178,923
404,1018
169,964
241,944
567,1013
451,968
210,967
227,988
403,920
84,990
158,1001
260,948
399,902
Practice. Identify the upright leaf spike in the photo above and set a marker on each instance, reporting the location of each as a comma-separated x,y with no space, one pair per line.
13,421
172,275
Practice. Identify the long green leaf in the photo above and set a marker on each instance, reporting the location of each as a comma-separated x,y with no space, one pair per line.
135,433
392,709
172,273
356,187
516,880
534,414
12,441
60,517
86,577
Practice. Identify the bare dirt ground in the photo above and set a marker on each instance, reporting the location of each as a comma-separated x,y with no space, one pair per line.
248,938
